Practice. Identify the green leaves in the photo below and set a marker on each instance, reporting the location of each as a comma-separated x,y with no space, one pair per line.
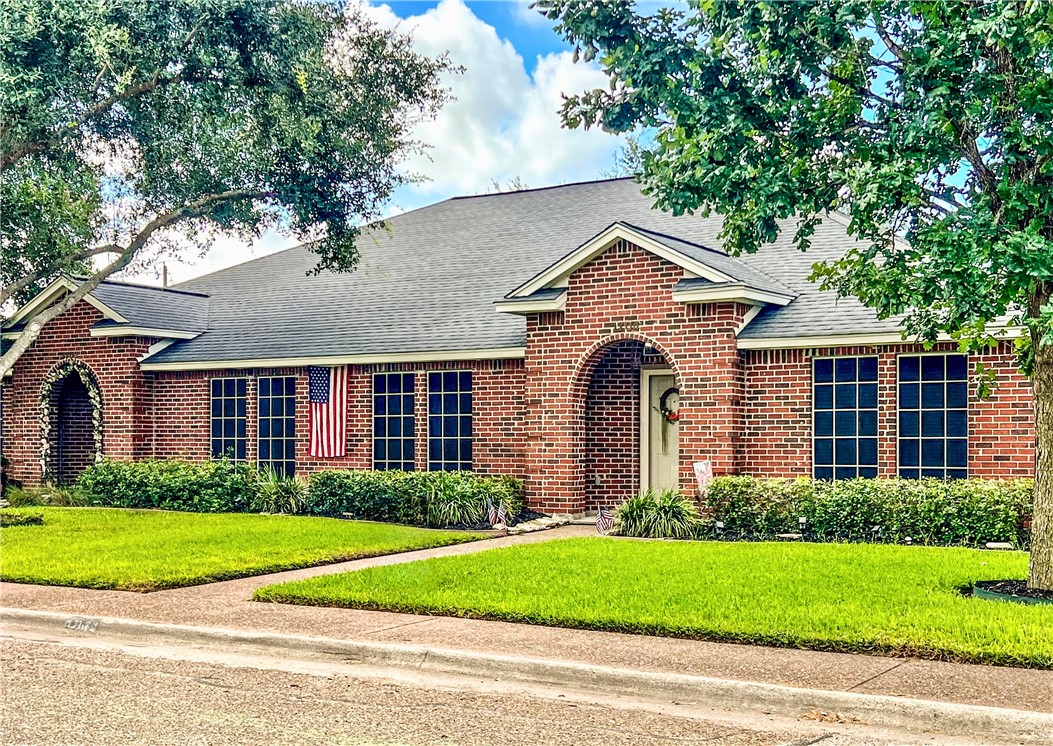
926,121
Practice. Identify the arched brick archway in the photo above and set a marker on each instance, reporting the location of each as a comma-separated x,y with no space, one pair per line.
71,420
611,384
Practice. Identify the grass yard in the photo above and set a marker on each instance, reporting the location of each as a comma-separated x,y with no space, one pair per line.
843,597
144,550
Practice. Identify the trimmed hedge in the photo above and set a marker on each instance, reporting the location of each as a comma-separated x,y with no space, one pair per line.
12,518
433,499
199,487
966,512
419,498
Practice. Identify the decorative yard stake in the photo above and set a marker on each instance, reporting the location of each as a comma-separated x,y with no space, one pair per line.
604,520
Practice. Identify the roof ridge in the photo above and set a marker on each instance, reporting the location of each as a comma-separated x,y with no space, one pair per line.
542,189
144,286
716,251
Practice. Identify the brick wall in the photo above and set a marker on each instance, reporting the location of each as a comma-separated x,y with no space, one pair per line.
113,360
624,294
181,415
612,426
778,414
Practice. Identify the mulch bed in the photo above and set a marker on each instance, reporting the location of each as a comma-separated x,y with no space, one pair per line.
1014,588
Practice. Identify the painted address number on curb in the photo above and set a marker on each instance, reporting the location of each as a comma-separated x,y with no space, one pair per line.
80,624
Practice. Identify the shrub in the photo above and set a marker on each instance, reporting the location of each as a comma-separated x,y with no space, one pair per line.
203,487
667,514
967,512
416,498
278,493
12,518
18,497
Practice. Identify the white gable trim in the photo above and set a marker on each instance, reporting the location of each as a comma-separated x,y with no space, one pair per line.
854,340
736,291
52,293
527,306
597,245
494,353
140,331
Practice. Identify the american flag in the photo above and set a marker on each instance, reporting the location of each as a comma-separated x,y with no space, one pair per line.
496,516
604,520
327,393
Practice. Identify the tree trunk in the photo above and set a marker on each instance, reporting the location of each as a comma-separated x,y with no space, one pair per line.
1041,571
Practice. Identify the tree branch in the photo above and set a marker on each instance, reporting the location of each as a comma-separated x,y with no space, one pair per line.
9,291
192,209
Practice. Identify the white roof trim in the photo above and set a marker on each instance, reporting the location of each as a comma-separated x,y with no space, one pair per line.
600,243
52,293
851,340
526,306
749,316
494,353
736,291
140,331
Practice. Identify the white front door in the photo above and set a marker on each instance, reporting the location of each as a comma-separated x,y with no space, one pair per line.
661,430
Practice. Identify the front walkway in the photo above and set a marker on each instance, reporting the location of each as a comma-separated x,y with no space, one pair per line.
228,605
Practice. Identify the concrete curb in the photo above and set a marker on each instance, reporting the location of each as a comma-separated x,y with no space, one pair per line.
981,723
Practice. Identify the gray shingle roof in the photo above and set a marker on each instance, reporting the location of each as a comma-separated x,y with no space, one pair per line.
429,282
154,307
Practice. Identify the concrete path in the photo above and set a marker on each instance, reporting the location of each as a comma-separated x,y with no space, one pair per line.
228,605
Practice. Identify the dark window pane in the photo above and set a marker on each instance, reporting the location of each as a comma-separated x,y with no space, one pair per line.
909,425
932,368
466,380
395,427
932,396
449,381
408,383
449,427
932,453
845,369
449,450
434,450
957,424
824,424
868,451
228,428
230,387
957,453
957,395
845,472
909,369
240,450
435,381
217,407
845,451
466,454
933,473
265,449
290,406
465,404
217,428
868,423
957,368
466,428
265,407
435,403
265,428
908,452
217,387
824,371
434,427
908,396
824,472
845,396
449,403
379,405
380,384
868,369
394,405
824,451
408,426
868,396
957,474
868,472
824,397
242,406
932,424
845,423
265,387
230,408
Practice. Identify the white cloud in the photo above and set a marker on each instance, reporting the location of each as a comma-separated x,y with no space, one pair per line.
503,123
528,16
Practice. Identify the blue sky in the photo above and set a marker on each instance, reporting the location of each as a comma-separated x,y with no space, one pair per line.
503,122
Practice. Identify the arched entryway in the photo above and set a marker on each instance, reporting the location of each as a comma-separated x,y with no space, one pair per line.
71,420
630,434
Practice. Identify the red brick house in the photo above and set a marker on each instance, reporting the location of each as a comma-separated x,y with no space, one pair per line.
570,335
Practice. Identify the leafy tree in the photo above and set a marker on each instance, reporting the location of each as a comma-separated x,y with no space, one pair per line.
127,126
924,120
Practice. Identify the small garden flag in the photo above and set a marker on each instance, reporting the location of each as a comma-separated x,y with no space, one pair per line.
703,476
327,394
604,520
496,516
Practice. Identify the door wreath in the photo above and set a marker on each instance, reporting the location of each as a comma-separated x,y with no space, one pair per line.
669,409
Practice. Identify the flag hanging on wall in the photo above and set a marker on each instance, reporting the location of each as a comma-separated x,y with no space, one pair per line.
327,394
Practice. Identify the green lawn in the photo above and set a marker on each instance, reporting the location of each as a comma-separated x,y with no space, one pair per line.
845,597
142,550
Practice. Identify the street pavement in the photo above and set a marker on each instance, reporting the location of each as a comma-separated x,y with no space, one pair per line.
70,692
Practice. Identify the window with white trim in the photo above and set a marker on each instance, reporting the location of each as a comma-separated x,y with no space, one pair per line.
845,417
933,416
393,425
277,423
228,403
450,421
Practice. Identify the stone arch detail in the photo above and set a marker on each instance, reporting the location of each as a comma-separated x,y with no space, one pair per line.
50,390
